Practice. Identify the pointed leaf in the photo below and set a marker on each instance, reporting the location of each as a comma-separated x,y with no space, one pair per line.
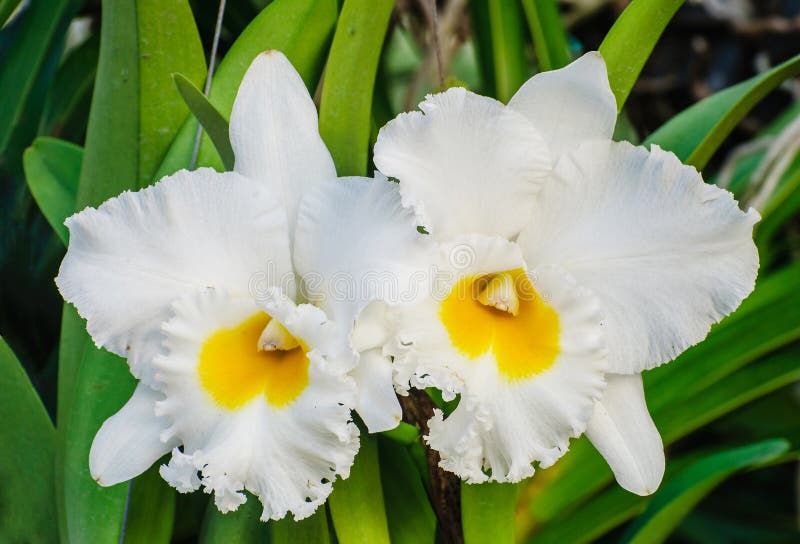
212,121
698,131
52,168
301,29
628,44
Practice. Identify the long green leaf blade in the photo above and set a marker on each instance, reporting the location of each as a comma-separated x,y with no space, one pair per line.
27,506
671,504
698,131
487,512
346,106
498,28
151,512
312,530
168,42
212,121
628,44
410,515
549,35
42,27
240,527
356,504
110,165
52,168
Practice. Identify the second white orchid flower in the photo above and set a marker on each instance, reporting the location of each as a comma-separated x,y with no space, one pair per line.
573,261
246,377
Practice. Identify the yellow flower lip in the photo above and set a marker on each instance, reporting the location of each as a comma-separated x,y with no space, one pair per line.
502,314
234,368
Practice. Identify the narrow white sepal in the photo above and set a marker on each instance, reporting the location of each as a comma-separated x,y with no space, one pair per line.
377,405
624,433
129,441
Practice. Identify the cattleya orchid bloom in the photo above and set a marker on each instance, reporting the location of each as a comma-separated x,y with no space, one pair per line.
248,378
574,263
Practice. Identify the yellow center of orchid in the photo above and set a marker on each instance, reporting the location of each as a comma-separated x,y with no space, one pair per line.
502,314
238,364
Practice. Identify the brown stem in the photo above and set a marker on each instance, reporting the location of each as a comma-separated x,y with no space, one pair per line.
445,486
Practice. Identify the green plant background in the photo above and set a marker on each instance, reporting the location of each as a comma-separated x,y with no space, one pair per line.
97,98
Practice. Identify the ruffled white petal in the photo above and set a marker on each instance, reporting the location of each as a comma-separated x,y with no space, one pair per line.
356,243
180,472
667,254
377,404
130,258
275,134
287,456
501,427
467,164
570,105
129,441
623,432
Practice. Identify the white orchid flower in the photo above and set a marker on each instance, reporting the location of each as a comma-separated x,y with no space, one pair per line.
573,261
192,280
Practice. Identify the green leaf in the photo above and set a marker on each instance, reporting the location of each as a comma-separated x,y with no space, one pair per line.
346,106
312,530
168,43
628,44
752,382
212,121
409,512
151,513
69,98
487,512
356,504
676,499
135,113
549,35
301,29
52,168
403,433
585,471
780,208
94,513
27,508
498,28
698,131
240,527
7,7
110,165
41,28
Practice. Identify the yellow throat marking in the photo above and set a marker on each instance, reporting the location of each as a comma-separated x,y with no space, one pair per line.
234,371
524,342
